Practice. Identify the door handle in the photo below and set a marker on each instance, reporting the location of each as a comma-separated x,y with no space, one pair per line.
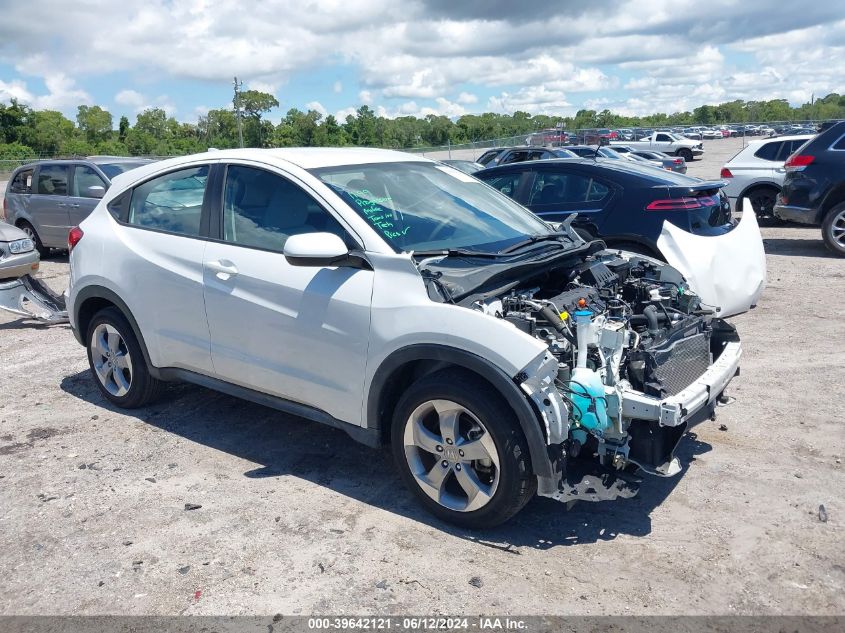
62,204
73,206
223,269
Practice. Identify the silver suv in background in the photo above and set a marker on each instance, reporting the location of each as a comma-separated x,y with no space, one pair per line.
757,172
47,198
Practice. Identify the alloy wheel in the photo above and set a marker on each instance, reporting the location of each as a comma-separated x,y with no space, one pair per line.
837,229
451,455
111,359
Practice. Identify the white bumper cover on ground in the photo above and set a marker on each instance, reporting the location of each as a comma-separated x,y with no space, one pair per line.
727,271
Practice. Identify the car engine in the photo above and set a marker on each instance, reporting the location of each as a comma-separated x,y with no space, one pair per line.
617,323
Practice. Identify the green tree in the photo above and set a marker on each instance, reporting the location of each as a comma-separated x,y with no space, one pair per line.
47,131
123,128
94,123
254,104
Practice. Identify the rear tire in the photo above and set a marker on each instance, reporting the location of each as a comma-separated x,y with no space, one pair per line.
833,229
27,228
117,362
460,450
763,201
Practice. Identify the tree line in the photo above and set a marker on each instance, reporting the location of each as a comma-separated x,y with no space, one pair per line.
27,133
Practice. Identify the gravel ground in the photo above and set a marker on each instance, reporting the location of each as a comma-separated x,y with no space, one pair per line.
296,518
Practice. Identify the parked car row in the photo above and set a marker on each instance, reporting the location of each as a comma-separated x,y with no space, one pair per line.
47,198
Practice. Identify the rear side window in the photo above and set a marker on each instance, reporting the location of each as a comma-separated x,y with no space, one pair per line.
514,157
83,178
52,180
769,151
486,157
22,182
558,189
262,209
840,144
172,202
507,183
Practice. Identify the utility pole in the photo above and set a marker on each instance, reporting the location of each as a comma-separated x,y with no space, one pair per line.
237,102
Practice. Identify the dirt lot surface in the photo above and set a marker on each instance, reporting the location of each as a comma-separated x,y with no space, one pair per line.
296,518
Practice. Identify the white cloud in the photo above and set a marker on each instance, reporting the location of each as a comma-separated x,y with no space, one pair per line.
62,93
341,114
131,98
316,105
534,54
263,86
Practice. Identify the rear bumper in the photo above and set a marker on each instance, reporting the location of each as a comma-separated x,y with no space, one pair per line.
687,405
800,215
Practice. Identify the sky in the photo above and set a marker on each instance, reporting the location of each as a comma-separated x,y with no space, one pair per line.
419,57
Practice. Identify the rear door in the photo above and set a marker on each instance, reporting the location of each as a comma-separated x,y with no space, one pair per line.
82,202
557,193
296,332
157,258
49,204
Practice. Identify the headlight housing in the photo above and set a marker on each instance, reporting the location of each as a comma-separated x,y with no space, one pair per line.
21,246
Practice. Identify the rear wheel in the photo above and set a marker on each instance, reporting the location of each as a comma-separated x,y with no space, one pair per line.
763,201
833,229
117,363
27,228
460,450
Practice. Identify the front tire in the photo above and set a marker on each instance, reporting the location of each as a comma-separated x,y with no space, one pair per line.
117,363
833,229
460,450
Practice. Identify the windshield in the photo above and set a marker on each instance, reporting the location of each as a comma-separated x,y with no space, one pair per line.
425,206
113,169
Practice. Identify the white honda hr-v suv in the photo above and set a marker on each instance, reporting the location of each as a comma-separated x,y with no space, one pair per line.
408,304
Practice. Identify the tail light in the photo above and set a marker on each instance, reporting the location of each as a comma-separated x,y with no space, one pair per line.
682,204
679,161
73,237
3,215
797,162
726,173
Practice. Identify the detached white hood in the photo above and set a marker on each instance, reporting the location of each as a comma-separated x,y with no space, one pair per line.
727,271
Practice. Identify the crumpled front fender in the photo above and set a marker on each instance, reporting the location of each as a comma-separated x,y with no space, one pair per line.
727,271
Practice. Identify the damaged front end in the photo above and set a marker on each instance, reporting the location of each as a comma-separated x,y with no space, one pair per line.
633,361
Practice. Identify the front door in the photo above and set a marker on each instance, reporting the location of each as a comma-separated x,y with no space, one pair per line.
81,203
296,332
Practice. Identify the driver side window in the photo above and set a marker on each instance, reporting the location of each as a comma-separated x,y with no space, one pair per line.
262,210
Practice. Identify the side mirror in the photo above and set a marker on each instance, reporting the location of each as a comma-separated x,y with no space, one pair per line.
95,191
315,249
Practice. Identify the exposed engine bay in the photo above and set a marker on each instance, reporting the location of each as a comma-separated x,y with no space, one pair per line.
632,362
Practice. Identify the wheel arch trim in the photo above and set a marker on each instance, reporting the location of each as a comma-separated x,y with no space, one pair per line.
99,292
529,420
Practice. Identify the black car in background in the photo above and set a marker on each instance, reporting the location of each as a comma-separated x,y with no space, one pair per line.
814,186
619,201
505,155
